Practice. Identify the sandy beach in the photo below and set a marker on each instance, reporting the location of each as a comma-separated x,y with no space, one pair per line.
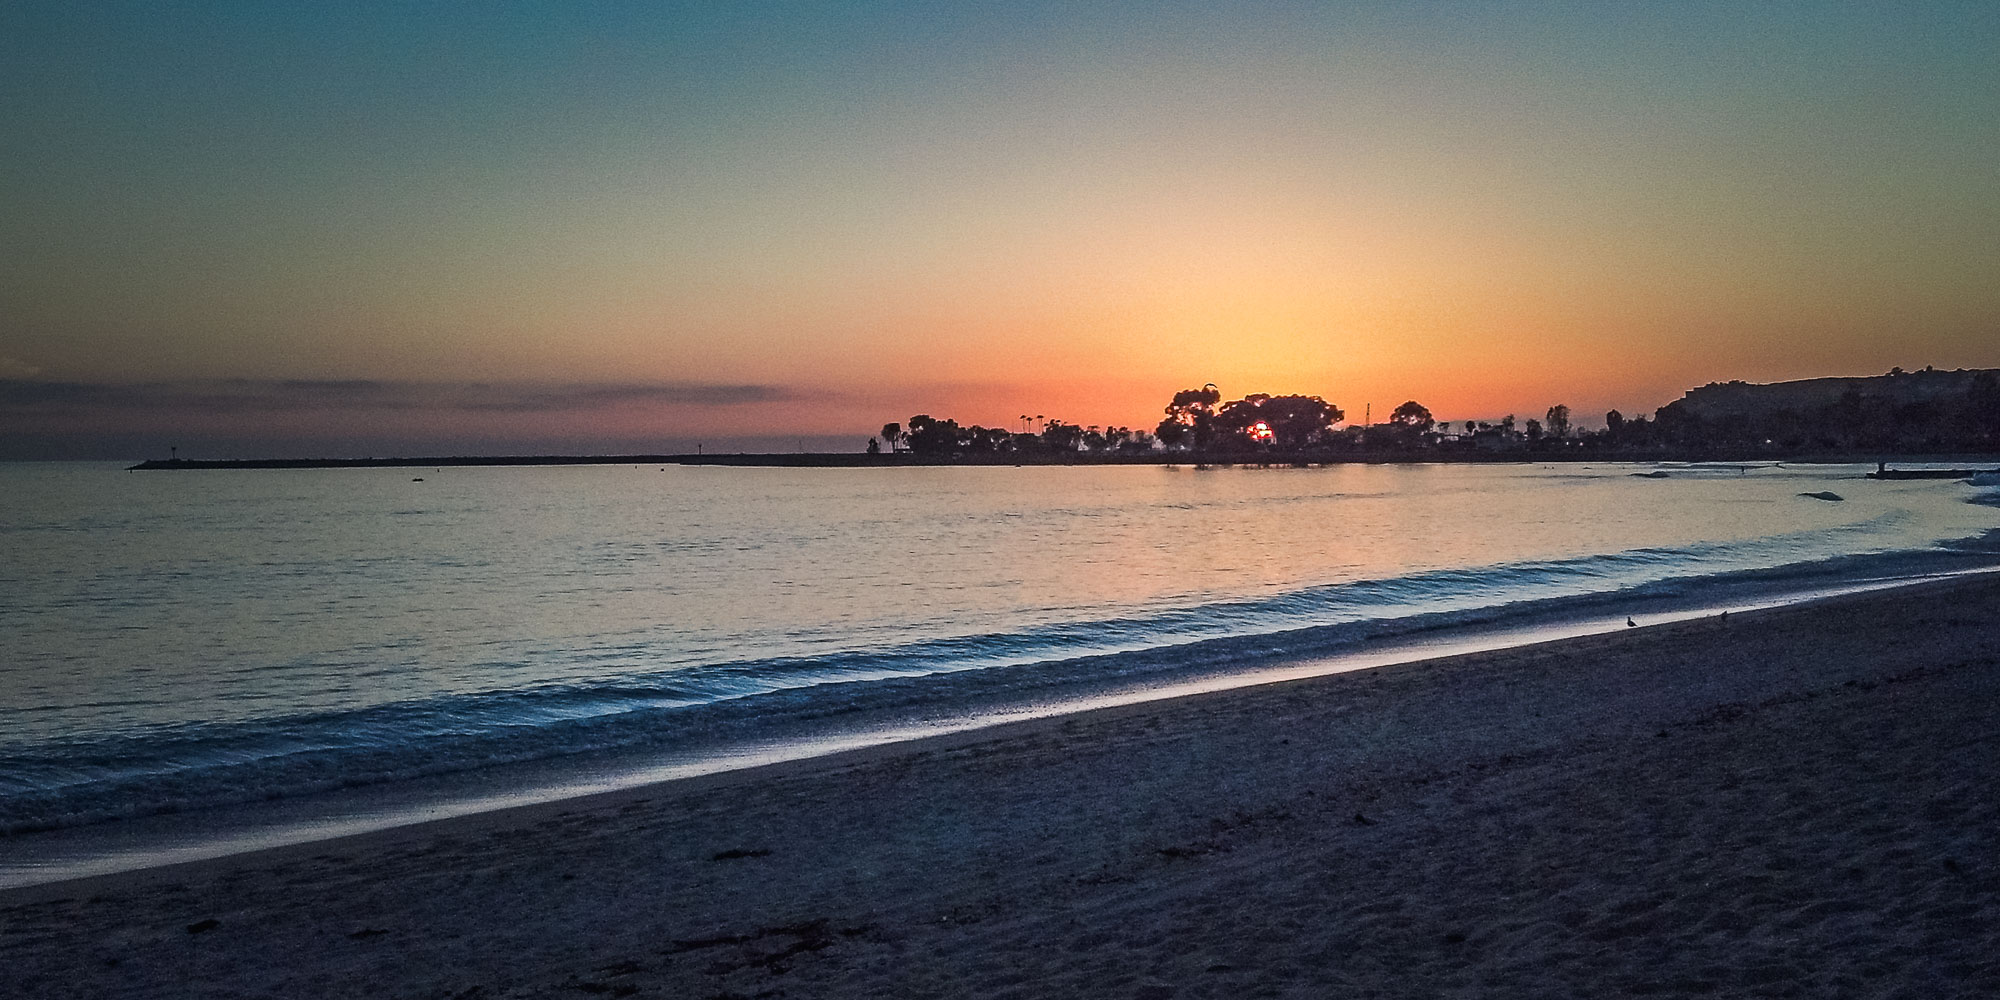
1796,802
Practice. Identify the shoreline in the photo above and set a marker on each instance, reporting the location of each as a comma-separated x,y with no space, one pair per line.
1208,829
218,833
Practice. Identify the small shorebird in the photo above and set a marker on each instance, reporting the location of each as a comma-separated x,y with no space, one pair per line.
1629,623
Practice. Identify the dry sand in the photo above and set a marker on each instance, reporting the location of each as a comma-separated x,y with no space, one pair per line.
1790,803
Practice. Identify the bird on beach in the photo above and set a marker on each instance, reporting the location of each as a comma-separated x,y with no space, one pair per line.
1629,623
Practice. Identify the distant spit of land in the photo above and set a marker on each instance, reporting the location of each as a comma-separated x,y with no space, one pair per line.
828,460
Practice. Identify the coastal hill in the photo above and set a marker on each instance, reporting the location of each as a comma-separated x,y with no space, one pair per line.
1718,400
1920,412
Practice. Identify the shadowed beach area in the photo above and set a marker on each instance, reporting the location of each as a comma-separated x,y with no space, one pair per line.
1793,802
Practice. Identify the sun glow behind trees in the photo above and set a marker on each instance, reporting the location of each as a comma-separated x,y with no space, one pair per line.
1909,412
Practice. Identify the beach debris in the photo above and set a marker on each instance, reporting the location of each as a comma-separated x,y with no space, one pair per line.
365,933
1827,495
737,852
1360,820
203,926
810,936
591,986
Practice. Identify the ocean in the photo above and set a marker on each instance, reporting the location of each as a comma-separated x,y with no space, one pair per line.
194,650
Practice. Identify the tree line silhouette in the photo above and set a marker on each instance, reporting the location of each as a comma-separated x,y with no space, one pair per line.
1198,422
930,436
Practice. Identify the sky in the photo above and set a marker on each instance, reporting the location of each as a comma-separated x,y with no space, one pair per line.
371,228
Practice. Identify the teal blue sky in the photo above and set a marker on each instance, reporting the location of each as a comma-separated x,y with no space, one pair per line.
807,219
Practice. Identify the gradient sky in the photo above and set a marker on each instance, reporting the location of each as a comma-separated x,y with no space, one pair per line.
335,228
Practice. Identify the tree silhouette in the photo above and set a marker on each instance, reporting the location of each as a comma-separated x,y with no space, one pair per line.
1190,417
1413,416
892,432
1558,421
930,436
1287,422
1061,437
989,438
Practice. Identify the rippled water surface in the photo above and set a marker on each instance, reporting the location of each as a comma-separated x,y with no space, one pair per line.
182,638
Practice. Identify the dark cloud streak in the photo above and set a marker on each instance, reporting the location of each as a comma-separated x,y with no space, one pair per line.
45,398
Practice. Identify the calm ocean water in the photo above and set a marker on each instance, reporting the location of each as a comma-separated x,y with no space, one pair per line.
190,640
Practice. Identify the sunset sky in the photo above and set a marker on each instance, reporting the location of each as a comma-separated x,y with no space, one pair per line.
357,228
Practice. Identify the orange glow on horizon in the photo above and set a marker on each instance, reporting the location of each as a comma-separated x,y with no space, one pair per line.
1066,212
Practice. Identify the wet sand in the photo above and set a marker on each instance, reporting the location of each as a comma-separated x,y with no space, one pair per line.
1795,802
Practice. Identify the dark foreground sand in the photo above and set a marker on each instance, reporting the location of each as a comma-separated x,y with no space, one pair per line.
1790,803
